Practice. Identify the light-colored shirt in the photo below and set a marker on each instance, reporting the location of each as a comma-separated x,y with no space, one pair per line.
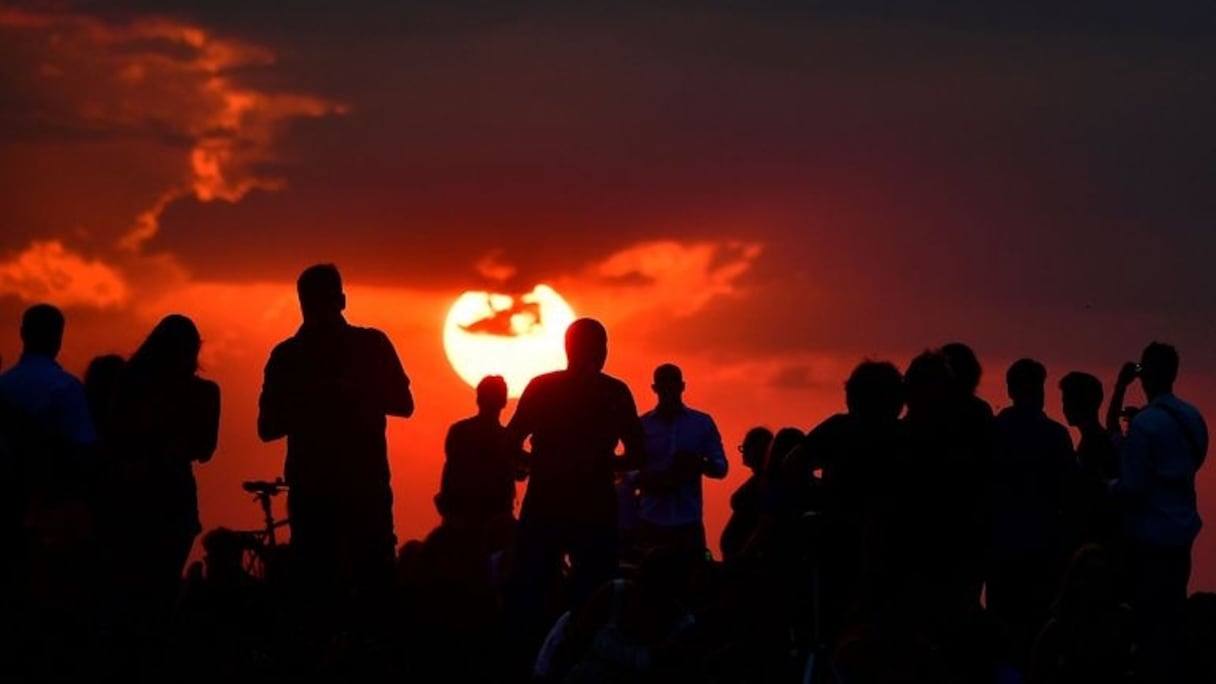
1158,459
50,396
688,431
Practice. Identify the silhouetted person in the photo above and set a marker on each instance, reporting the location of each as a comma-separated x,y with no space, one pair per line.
165,419
49,451
1088,637
575,419
939,531
855,451
1166,444
682,446
54,403
1097,458
745,502
1030,485
101,380
480,467
328,389
975,418
224,620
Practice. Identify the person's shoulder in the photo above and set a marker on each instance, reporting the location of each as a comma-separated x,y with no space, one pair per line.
368,335
545,381
614,384
463,425
1188,408
699,415
205,386
285,347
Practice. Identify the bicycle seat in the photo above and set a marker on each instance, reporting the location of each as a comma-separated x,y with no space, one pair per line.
264,486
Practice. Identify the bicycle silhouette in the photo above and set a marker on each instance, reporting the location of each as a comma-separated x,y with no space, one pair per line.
264,555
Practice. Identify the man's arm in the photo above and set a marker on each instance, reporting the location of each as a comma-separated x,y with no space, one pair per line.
79,435
395,384
1114,410
631,434
274,412
714,464
523,421
1133,462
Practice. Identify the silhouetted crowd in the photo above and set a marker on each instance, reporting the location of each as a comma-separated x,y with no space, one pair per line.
914,537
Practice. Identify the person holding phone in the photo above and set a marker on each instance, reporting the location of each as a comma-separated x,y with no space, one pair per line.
1165,445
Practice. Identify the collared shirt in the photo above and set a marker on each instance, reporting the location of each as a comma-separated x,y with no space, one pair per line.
1158,460
688,431
50,396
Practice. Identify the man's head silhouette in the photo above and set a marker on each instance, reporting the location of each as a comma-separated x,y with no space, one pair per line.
875,390
320,291
586,345
42,330
668,385
1158,369
1024,382
1081,394
966,366
492,394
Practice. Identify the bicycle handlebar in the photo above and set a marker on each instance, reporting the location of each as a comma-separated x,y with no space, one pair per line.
264,487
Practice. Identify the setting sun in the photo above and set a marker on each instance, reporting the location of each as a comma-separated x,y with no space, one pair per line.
517,337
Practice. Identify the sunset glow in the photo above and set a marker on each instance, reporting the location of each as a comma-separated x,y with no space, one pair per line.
515,337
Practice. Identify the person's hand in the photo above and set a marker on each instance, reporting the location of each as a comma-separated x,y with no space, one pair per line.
1128,374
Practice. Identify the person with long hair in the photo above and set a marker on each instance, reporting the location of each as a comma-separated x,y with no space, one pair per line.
165,419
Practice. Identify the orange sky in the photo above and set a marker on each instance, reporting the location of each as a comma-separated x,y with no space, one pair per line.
763,195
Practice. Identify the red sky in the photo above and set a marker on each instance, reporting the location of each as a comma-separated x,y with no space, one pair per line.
763,195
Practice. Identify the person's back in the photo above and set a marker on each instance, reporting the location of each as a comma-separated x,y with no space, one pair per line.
334,383
51,400
576,421
478,479
1031,473
328,390
1171,438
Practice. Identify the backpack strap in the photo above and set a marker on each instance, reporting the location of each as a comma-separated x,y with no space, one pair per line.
1196,452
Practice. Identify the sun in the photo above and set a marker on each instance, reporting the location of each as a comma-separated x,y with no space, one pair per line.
517,337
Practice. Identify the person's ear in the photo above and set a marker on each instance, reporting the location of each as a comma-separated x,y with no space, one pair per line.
342,302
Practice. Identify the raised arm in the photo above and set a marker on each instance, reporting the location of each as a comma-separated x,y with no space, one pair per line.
1133,463
1114,410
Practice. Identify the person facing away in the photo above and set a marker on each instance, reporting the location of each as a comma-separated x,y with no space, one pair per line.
855,451
1097,458
682,446
52,401
1030,488
575,418
1165,446
328,390
165,418
47,463
480,467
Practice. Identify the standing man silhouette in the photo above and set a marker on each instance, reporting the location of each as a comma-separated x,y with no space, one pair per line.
480,466
328,389
682,446
575,419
